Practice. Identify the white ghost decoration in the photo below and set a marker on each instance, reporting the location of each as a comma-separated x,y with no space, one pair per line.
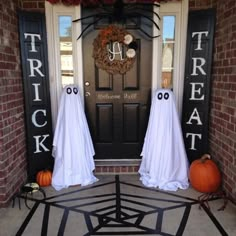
72,145
164,161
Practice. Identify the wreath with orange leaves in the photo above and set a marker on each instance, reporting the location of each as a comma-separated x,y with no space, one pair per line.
102,50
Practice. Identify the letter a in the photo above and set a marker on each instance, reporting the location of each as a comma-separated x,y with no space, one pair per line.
194,116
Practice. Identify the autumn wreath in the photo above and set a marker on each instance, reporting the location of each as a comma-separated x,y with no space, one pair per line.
102,50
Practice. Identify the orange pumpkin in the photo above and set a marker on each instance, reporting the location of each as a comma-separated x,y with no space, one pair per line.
44,178
204,175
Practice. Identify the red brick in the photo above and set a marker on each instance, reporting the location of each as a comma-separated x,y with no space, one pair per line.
230,126
130,169
117,169
232,95
33,5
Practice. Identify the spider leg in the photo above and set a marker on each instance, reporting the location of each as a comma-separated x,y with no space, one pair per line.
150,36
148,10
134,14
43,192
143,31
225,203
89,16
88,27
201,199
19,202
26,202
208,197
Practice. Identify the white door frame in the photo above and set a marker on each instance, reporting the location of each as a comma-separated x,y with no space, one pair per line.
179,9
52,14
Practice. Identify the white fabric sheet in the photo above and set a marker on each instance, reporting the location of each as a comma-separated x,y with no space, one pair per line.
164,162
72,145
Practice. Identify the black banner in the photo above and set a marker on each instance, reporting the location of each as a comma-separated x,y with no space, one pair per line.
36,91
196,98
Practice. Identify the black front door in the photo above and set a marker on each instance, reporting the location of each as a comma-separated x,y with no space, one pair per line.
117,106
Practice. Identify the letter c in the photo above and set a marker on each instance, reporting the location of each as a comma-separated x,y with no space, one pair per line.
34,121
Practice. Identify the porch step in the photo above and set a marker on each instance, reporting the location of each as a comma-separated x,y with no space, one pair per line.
117,166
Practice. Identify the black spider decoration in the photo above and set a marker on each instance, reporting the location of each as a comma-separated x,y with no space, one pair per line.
26,189
120,11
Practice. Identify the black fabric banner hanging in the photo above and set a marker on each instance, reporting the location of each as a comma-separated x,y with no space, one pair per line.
197,84
34,62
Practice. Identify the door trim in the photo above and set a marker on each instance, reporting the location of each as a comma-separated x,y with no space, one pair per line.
180,9
52,11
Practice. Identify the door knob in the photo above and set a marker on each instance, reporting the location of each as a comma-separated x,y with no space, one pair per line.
87,83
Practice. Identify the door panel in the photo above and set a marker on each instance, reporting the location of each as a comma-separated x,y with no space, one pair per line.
131,122
104,124
117,106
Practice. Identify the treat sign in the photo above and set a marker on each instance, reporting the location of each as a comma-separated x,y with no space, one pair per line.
196,99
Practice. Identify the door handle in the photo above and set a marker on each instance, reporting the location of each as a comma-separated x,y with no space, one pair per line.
87,83
87,94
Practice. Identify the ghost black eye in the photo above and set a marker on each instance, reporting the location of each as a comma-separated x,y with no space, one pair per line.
159,96
166,96
69,90
75,90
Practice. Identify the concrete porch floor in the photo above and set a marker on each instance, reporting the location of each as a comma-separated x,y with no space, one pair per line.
117,205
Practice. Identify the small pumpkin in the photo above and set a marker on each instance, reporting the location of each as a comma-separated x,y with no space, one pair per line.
44,178
204,175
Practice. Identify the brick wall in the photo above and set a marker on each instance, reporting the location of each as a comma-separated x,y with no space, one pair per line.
223,112
12,130
201,4
13,162
32,5
223,100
